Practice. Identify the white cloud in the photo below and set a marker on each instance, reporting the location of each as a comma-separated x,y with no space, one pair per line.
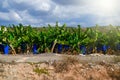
4,16
94,7
27,18
5,4
19,17
49,11
43,5
69,11
104,11
13,16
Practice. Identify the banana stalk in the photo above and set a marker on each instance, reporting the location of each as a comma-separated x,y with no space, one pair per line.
53,47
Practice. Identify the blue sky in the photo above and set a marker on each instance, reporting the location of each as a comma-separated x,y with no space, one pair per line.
71,12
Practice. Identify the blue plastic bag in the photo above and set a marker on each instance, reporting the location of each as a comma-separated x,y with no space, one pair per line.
83,49
6,49
35,49
23,47
59,48
118,46
66,47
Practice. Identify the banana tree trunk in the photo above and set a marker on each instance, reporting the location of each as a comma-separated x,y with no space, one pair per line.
53,47
13,49
28,49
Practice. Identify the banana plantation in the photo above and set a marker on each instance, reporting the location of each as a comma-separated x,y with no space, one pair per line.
16,39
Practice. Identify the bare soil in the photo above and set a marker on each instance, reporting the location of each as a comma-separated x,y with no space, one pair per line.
69,68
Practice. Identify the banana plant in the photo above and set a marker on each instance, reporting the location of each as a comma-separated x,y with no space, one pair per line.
4,47
78,38
114,38
93,35
49,38
17,36
59,35
13,38
118,35
29,36
5,37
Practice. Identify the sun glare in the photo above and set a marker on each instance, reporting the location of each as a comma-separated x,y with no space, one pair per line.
106,5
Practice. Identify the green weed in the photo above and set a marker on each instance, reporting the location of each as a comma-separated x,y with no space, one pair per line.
41,71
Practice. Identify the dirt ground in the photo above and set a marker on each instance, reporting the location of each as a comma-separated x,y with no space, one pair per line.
67,69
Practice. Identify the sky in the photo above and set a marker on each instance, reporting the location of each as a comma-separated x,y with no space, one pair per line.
71,12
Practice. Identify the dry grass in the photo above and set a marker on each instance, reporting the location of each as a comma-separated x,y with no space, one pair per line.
63,65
